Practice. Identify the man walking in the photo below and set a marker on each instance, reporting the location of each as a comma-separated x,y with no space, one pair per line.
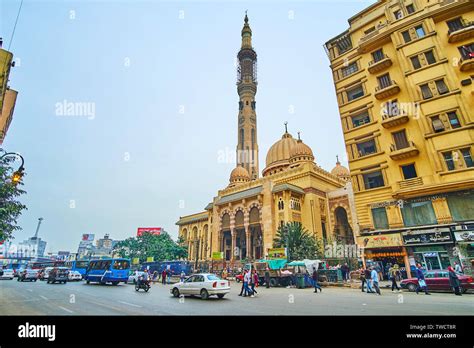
457,268
454,281
267,278
163,277
243,283
315,280
393,274
368,276
421,280
254,281
362,278
375,280
247,279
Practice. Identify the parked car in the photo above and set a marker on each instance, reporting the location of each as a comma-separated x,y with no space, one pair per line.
58,274
202,284
239,278
438,280
28,274
44,273
74,276
6,273
132,278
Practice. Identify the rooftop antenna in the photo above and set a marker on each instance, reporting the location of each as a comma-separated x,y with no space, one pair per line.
286,126
38,227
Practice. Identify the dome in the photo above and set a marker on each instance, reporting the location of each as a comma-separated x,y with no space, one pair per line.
340,171
301,151
279,153
239,174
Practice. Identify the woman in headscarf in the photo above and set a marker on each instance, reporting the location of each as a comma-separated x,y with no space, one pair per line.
454,281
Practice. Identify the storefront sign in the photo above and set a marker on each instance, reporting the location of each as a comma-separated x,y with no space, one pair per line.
380,241
150,259
427,237
277,253
135,261
464,236
218,255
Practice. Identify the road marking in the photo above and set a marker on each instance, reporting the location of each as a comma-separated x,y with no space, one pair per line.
44,298
65,309
29,290
130,304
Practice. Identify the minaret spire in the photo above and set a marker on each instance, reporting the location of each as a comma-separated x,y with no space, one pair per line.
247,147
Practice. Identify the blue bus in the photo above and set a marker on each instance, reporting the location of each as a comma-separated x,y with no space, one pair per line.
176,267
79,266
108,271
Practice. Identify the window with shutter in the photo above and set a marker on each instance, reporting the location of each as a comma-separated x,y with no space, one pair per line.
454,120
426,91
415,61
441,86
438,125
400,139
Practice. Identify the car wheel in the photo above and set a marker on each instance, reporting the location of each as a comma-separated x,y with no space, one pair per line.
137,287
204,294
411,287
273,282
176,292
147,288
35,280
237,280
17,279
88,281
115,283
220,295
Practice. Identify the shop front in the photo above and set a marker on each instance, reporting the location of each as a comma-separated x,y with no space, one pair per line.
385,250
432,247
465,247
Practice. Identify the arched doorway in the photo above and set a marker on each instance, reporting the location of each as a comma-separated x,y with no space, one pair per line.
256,238
240,239
226,243
342,228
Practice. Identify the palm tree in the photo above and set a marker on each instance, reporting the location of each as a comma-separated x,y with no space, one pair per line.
300,243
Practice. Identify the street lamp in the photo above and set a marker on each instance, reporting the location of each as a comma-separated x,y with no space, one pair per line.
16,177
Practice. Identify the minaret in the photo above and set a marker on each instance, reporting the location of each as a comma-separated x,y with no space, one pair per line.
247,148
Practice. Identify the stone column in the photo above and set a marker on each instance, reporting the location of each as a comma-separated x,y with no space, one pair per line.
407,262
233,233
247,242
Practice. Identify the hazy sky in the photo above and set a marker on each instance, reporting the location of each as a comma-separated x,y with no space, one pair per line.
158,79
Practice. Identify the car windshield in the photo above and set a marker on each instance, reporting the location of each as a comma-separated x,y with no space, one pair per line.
213,277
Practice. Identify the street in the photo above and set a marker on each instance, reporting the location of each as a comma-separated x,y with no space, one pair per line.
77,298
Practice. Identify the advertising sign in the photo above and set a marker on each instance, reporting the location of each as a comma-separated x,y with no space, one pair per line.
150,259
380,241
218,255
464,236
277,253
135,261
152,230
88,237
426,237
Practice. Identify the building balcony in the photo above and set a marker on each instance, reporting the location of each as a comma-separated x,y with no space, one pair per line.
464,31
389,121
399,153
386,90
376,66
407,184
467,63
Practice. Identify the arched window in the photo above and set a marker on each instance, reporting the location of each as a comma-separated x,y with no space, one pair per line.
281,204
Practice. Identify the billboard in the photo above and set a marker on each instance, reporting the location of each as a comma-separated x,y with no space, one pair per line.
277,253
88,237
217,255
152,230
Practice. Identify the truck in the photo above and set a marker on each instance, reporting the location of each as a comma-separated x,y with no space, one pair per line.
279,274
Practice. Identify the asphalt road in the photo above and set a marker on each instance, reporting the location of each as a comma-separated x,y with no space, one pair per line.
78,298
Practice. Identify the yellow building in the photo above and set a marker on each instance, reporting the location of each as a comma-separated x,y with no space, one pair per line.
242,220
403,78
7,95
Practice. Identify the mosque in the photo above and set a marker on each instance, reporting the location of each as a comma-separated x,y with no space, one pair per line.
242,220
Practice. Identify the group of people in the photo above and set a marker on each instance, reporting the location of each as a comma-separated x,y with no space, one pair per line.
370,278
249,283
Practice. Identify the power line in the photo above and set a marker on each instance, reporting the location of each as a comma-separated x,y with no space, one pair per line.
14,28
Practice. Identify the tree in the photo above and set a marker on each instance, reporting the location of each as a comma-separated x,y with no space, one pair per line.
300,242
161,247
10,207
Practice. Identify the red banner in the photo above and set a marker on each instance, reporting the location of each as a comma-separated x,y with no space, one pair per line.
152,230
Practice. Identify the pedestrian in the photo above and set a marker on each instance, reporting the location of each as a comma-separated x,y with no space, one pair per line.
421,280
254,281
224,273
242,289
267,277
315,281
247,290
169,273
393,274
378,269
362,278
344,272
182,276
163,277
375,280
155,276
368,276
457,268
454,281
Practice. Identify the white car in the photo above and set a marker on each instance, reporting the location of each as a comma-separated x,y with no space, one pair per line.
6,274
202,284
133,278
74,275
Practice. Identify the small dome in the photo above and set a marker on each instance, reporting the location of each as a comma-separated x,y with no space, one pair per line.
301,151
279,153
239,174
341,171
